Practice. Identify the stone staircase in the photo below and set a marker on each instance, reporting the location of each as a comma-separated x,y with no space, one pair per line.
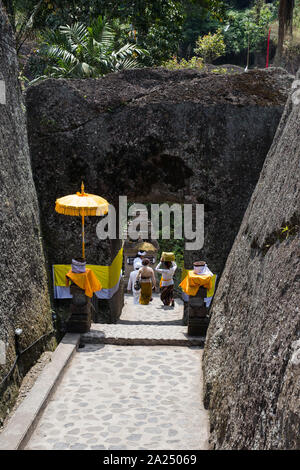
150,325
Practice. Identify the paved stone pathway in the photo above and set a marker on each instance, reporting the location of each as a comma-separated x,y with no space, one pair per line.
153,314
151,324
128,397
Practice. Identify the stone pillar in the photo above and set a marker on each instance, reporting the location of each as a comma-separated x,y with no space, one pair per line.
197,314
80,319
185,313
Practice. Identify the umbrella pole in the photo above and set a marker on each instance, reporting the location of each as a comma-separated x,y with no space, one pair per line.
83,250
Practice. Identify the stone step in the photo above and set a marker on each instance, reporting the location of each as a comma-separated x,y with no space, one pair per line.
146,335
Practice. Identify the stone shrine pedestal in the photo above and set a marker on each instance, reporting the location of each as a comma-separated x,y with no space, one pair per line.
197,314
81,317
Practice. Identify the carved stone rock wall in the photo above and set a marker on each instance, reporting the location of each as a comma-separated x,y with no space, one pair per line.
24,299
252,350
153,135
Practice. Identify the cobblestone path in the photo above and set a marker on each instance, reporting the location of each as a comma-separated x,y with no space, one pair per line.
129,397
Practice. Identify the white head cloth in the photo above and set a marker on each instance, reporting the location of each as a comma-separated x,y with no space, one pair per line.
138,265
202,270
142,253
78,266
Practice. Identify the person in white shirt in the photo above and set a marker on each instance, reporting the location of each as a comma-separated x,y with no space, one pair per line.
138,259
167,269
131,282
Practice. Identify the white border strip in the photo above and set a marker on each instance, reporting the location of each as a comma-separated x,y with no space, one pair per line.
2,92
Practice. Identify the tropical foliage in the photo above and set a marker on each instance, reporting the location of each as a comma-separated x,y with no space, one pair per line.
160,36
210,47
80,51
162,27
248,27
176,64
198,21
156,25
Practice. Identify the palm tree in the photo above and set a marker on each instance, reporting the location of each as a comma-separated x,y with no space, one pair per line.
285,18
80,51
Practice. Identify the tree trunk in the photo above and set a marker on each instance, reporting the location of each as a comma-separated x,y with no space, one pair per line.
285,19
258,6
10,9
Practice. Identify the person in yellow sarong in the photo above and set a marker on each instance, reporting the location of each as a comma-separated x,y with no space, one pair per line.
147,280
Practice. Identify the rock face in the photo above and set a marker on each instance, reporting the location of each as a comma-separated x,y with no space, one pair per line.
153,135
24,301
252,351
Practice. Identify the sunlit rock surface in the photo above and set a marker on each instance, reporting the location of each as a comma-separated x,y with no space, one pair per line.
252,351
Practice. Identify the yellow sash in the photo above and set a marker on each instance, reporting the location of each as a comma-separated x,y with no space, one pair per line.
161,280
108,276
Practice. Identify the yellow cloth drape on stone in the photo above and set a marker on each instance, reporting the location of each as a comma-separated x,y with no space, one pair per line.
184,273
86,281
211,291
191,283
108,276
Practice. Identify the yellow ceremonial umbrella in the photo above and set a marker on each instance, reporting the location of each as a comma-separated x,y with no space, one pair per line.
82,204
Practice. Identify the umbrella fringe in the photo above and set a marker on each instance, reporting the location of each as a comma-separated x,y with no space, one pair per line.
75,210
